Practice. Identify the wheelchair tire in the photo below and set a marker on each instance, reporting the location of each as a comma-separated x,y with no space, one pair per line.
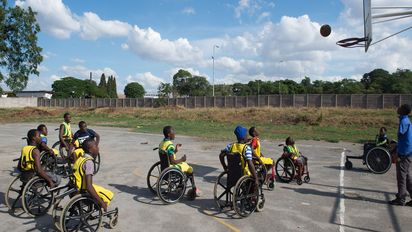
57,212
171,185
153,176
220,190
348,165
271,184
56,145
306,179
245,196
378,160
37,199
97,162
48,161
299,181
13,193
72,219
285,169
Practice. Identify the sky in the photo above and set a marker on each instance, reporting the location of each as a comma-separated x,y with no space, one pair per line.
149,41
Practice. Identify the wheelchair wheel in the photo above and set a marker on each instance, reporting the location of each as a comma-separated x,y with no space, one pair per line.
153,176
260,170
306,179
97,162
171,185
37,199
48,161
378,160
245,196
271,184
285,169
57,214
221,193
82,213
13,194
299,181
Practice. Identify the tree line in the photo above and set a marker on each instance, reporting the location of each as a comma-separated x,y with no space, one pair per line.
377,81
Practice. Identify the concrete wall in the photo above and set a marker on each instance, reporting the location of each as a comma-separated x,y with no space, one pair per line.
373,101
14,102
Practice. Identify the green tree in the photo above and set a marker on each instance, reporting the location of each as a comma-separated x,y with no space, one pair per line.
19,54
240,89
377,81
111,87
72,87
134,90
165,90
180,80
402,81
102,87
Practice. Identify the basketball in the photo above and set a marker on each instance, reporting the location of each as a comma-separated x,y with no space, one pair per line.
325,30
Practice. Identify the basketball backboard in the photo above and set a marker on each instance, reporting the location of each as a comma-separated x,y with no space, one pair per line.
367,22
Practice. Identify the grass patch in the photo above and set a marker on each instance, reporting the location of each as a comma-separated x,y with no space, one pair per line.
328,124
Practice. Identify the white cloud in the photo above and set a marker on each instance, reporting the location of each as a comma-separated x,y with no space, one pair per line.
189,11
53,16
149,81
148,43
78,60
93,27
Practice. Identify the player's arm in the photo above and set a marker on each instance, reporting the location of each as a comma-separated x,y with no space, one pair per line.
222,155
97,138
39,168
90,189
177,161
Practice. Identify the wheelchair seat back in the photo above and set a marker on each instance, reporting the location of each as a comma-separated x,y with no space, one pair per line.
235,168
164,160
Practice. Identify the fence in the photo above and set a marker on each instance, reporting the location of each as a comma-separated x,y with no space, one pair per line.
367,101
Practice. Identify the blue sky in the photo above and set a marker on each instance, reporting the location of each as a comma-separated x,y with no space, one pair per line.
148,41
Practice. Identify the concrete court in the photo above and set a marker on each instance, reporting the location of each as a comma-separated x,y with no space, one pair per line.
335,200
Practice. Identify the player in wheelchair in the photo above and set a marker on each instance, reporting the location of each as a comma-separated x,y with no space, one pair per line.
267,169
239,186
292,164
89,202
377,155
33,183
168,177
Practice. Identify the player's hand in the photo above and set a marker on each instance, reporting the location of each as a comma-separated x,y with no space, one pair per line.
184,158
104,206
51,184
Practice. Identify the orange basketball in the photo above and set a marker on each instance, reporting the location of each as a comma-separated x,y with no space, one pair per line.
325,30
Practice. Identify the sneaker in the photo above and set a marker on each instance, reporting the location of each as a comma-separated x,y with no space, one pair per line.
409,203
397,201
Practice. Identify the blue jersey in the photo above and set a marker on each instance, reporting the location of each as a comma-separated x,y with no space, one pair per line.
404,136
82,136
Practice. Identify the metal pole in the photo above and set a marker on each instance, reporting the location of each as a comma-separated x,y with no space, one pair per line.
213,73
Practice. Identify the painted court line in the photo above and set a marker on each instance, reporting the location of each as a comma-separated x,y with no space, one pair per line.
221,221
341,193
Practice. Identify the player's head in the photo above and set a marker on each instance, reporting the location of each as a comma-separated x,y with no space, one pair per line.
82,126
241,133
382,131
42,129
253,132
33,137
290,141
404,109
67,117
169,132
90,147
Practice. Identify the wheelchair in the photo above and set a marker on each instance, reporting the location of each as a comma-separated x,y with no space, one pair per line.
168,182
64,154
236,190
287,169
268,176
378,159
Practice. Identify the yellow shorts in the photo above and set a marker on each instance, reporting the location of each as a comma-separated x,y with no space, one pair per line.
79,152
184,167
266,160
105,194
56,152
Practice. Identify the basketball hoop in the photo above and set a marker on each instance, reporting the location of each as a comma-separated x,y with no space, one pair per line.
352,42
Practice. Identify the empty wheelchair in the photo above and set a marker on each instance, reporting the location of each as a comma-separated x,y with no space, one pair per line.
378,159
236,190
169,183
287,169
